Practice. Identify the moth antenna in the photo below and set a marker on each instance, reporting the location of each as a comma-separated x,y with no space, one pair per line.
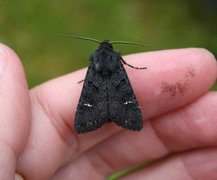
128,42
78,37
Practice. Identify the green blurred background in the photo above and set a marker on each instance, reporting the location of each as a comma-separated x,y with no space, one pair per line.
28,27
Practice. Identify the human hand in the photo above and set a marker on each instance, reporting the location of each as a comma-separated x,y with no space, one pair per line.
38,140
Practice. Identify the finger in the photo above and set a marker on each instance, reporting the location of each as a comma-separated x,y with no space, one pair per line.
188,128
198,164
54,106
179,131
174,78
14,111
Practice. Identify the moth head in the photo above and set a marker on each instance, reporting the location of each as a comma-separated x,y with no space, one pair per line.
105,44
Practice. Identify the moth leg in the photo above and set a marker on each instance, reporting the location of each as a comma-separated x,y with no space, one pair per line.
80,81
124,62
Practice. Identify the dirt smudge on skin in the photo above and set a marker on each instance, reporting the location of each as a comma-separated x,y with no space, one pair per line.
179,87
173,89
191,71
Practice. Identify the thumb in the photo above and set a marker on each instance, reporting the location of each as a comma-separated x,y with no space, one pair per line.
14,111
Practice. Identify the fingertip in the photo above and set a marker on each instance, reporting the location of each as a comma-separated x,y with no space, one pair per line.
208,61
12,59
205,67
173,77
14,104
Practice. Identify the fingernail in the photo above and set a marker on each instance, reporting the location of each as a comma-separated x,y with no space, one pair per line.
2,60
18,177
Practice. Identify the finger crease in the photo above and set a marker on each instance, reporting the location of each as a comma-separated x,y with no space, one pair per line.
158,136
99,162
9,146
187,169
66,136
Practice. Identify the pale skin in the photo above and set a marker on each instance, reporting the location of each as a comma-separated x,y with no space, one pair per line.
180,121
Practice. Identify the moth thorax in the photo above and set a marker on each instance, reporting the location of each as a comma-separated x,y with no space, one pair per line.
106,65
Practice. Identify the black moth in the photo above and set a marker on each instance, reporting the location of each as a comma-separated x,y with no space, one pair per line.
107,95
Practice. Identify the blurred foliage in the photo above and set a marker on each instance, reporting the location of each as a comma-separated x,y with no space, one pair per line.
28,27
